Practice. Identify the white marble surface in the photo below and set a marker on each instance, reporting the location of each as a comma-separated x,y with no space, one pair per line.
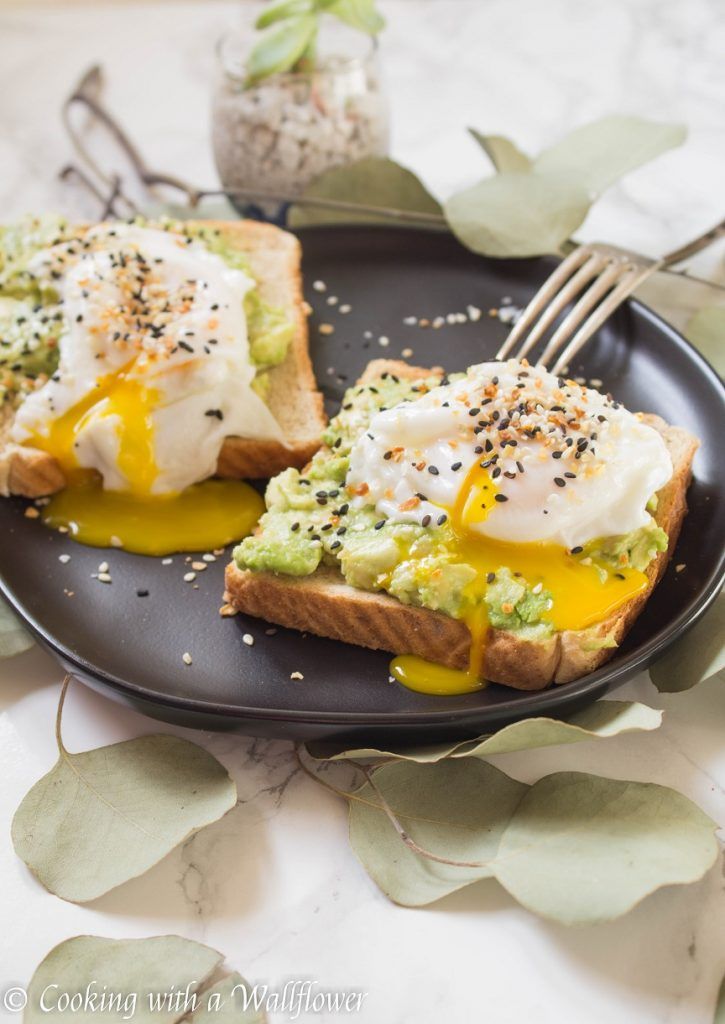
274,885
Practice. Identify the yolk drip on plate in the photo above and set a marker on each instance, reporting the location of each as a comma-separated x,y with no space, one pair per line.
207,515
580,596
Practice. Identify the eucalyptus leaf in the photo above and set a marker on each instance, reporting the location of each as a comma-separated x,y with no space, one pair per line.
598,154
531,208
230,1001
719,1017
706,331
454,809
13,638
502,152
279,49
127,968
518,214
603,719
699,655
581,849
102,817
359,14
373,180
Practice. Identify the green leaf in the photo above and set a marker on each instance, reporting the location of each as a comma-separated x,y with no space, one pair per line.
574,848
582,849
502,152
374,180
13,638
281,11
699,655
127,967
719,1017
706,331
102,817
225,1002
280,49
603,719
528,208
359,14
598,154
454,809
518,214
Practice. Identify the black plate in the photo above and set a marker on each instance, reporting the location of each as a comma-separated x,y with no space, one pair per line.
132,646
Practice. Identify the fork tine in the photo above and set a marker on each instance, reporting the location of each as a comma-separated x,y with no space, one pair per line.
588,301
573,287
539,302
631,280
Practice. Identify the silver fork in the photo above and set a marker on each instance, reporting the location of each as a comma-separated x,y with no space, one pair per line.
597,278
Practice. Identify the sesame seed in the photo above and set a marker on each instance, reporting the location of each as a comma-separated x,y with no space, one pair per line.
199,566
500,497
104,577
296,675
456,466
142,593
345,308
491,577
166,561
383,341
559,482
189,577
537,589
433,470
576,550
248,639
319,286
103,567
64,559
379,525
326,329
407,353
425,521
186,658
441,519
332,300
31,513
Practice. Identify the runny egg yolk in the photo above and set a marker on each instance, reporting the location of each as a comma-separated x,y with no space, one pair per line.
206,515
580,595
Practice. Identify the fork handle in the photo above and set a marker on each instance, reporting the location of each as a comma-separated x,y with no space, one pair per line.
697,244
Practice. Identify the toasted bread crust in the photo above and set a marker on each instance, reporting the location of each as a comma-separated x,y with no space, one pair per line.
324,604
275,258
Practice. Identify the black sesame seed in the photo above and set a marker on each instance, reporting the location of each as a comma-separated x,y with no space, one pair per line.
441,519
559,482
142,593
576,550
380,524
491,577
425,521
496,473
335,545
556,455
570,476
500,497
456,466
344,509
294,527
387,455
433,470
474,412
620,575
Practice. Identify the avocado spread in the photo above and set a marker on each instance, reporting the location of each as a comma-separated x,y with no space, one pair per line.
310,522
31,318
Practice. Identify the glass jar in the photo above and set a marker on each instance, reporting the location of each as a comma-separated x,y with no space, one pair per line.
287,130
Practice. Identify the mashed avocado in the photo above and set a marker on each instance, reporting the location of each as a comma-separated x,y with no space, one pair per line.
31,320
309,522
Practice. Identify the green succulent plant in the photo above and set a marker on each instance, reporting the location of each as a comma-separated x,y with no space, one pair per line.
290,30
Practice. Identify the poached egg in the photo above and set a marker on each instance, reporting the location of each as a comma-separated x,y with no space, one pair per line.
531,470
154,373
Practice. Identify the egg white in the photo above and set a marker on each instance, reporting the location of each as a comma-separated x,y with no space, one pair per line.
607,497
215,375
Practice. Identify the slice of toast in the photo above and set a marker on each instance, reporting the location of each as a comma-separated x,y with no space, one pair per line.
274,257
325,604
